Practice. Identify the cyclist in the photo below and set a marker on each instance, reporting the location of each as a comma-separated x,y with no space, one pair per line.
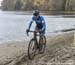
40,23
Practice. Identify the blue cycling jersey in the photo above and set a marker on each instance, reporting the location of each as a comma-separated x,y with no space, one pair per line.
40,23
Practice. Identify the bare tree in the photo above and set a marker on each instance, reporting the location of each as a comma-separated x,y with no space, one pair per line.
63,5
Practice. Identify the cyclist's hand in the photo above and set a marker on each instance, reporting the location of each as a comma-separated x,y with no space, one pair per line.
27,32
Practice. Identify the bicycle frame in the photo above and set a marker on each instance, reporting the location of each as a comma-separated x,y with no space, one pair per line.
35,36
37,44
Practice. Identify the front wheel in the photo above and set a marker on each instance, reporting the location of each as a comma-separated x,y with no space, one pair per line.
42,44
32,48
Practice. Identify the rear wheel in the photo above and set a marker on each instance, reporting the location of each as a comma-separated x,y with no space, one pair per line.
32,48
42,44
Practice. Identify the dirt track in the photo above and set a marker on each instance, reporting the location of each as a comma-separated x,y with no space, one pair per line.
59,51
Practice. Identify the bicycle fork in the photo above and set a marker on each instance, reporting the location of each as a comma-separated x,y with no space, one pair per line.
36,42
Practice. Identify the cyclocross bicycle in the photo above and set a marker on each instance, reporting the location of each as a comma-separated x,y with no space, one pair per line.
36,44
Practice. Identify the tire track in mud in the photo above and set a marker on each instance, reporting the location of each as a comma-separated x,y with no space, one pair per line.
58,54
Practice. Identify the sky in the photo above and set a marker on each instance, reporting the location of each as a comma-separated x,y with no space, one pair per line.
0,2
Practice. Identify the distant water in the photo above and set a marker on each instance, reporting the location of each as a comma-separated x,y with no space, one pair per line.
14,24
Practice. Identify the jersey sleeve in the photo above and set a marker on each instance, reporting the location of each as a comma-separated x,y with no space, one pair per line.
44,24
31,23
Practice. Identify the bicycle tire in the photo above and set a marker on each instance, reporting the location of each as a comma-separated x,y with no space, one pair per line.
42,45
34,46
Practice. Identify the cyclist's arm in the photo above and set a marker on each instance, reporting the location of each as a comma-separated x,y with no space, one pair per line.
44,25
30,24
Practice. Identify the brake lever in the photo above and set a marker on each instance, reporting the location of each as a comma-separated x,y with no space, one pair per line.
27,33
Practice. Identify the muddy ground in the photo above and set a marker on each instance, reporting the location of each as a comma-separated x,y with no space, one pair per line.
60,50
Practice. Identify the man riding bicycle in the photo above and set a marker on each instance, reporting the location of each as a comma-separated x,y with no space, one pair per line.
40,23
40,27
